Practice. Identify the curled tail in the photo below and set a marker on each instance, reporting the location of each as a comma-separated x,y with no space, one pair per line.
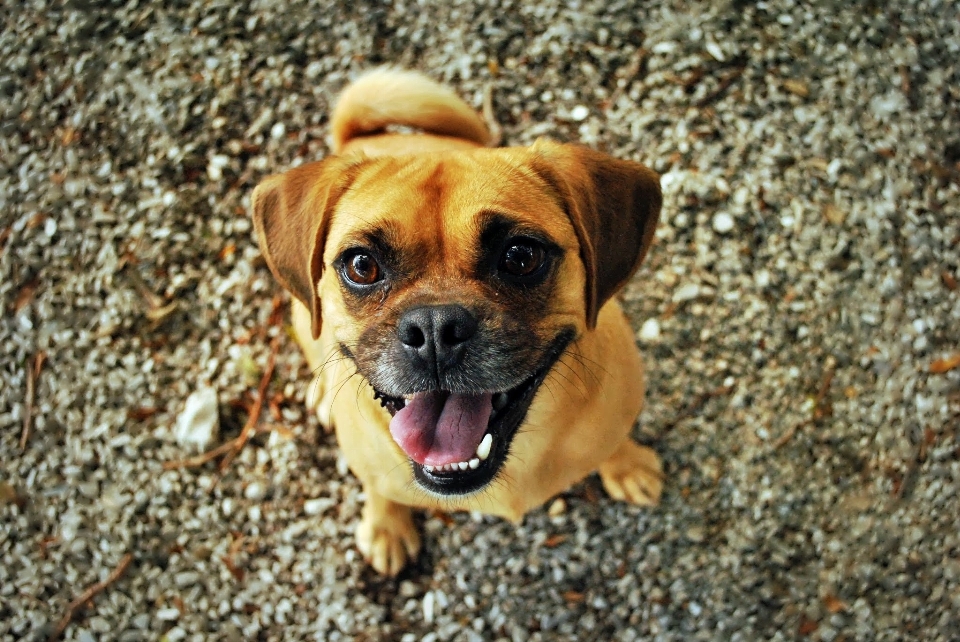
394,97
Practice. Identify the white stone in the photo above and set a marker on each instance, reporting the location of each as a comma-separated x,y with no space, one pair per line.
579,113
199,423
168,614
216,165
722,222
650,330
318,505
714,50
762,278
428,607
255,491
686,292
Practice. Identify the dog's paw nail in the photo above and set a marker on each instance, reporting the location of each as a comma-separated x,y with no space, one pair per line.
634,474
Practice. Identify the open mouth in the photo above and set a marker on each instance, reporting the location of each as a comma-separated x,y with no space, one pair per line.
456,442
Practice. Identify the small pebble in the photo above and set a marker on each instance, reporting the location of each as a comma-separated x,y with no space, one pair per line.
168,614
650,330
255,491
319,505
723,222
199,422
579,113
686,292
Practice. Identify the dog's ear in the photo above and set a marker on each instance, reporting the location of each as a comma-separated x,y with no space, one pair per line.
614,206
291,216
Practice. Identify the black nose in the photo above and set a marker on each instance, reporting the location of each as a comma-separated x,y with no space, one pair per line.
437,334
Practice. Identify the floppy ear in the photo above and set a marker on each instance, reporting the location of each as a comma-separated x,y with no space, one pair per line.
614,206
291,216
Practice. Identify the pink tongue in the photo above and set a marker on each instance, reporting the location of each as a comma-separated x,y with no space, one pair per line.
437,428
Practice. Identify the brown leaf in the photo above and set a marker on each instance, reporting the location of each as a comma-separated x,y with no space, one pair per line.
227,251
833,214
949,281
807,626
573,596
142,413
834,604
8,494
493,66
941,366
235,571
70,135
796,87
36,220
554,540
25,295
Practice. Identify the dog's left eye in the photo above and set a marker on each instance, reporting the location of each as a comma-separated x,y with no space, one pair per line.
522,257
362,269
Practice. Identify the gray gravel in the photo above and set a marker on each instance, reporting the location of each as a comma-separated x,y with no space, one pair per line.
802,288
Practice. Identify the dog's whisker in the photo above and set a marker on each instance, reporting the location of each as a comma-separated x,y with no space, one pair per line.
576,371
573,385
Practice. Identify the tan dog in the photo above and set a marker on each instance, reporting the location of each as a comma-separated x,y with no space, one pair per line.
455,304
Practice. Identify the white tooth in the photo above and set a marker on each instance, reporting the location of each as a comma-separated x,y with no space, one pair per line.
499,400
462,465
483,450
473,463
429,469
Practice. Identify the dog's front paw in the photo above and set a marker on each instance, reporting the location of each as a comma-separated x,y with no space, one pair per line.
633,474
387,537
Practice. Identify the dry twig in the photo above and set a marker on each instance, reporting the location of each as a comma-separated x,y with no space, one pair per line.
201,459
694,406
33,372
250,426
722,86
88,595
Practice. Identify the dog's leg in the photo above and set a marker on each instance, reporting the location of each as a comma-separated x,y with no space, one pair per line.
386,535
633,474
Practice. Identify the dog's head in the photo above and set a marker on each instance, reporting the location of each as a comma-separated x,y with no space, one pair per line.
455,281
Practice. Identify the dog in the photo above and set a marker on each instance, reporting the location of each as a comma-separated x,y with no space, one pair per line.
456,305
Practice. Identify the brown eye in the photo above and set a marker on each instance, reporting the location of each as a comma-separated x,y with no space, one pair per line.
522,258
362,269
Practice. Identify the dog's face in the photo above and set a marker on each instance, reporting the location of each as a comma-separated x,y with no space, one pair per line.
455,281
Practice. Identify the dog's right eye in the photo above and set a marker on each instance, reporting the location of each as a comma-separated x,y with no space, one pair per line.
362,269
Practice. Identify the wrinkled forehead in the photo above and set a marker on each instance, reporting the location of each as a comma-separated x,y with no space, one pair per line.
446,200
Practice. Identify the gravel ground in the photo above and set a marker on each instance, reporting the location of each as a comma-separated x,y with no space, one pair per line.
798,316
